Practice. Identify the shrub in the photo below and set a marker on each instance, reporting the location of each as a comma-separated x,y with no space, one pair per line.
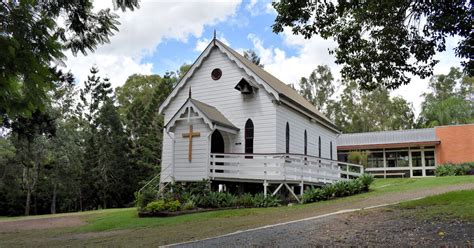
340,188
189,205
245,200
260,201
454,169
155,206
366,180
227,200
313,195
172,206
146,196
162,205
329,191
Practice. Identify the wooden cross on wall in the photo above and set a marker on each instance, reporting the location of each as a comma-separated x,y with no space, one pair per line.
190,136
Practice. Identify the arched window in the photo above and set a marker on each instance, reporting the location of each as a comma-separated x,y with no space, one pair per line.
305,143
249,136
287,138
330,149
319,146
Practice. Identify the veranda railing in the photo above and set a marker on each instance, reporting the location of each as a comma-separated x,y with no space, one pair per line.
280,167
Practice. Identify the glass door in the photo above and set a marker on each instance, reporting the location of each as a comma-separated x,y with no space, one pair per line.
416,163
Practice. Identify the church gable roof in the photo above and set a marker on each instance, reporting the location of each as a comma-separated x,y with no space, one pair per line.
272,84
276,84
211,114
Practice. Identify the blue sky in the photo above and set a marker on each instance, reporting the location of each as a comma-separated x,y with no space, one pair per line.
163,34
172,53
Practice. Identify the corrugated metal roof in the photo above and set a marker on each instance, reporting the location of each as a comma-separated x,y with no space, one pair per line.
388,137
213,114
278,85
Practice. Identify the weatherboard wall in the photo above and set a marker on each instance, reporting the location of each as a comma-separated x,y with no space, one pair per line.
237,108
298,124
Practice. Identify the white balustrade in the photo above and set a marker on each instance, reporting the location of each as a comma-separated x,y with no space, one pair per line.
280,167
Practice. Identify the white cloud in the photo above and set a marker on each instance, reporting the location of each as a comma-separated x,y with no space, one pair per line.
201,44
259,7
315,51
115,67
290,69
142,30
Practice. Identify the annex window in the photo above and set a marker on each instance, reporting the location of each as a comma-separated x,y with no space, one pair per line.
305,143
249,132
319,146
330,149
287,137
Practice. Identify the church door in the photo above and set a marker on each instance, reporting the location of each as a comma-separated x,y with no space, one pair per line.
217,146
217,142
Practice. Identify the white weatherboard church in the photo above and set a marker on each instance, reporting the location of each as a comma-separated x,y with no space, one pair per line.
231,122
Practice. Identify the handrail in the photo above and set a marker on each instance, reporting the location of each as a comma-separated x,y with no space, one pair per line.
286,154
153,179
325,169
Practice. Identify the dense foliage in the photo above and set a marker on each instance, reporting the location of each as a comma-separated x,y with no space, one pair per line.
450,100
455,169
34,35
101,152
380,43
338,189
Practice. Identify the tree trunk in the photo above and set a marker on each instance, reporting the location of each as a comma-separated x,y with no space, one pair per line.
53,201
80,200
28,200
104,201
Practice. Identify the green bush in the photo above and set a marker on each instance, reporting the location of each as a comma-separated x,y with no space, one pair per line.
146,196
338,189
455,169
155,206
162,205
216,200
189,205
172,206
366,180
260,201
245,200
314,195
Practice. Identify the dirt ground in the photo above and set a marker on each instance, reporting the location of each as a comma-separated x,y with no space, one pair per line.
41,223
387,227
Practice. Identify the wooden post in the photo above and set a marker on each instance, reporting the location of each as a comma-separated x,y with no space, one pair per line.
265,185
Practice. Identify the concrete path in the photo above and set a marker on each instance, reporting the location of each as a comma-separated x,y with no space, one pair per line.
301,232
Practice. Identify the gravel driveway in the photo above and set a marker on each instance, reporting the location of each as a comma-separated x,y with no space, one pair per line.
375,227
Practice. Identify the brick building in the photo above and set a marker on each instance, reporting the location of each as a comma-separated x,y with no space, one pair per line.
412,153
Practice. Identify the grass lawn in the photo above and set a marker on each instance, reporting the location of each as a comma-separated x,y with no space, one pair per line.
457,204
125,227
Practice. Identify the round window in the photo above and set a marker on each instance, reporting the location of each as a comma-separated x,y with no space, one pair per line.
216,74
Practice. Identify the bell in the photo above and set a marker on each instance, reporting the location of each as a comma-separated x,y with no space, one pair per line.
246,89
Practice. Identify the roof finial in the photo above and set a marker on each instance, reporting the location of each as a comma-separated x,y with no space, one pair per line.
214,39
189,92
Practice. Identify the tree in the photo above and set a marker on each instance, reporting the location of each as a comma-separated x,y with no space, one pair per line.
381,42
318,88
253,57
32,42
139,99
450,100
361,111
